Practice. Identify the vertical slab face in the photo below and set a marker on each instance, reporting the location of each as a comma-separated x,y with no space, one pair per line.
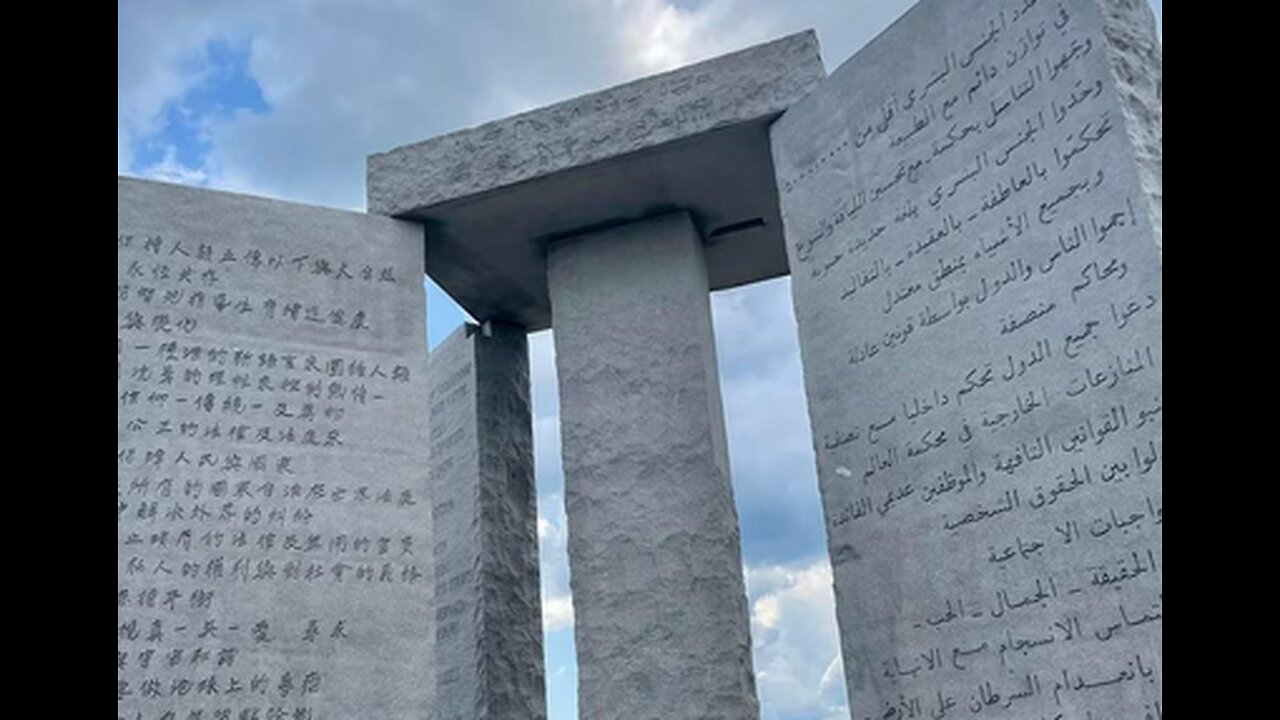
273,520
488,612
660,609
972,210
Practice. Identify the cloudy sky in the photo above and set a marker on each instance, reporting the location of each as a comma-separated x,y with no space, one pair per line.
286,98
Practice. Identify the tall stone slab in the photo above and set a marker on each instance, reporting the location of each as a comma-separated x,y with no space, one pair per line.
660,607
488,614
972,207
273,515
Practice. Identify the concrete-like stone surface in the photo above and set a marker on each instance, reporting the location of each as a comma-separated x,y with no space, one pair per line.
489,648
1136,56
273,514
973,214
694,139
745,86
656,569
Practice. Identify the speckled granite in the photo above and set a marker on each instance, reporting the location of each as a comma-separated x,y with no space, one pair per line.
489,637
661,614
752,84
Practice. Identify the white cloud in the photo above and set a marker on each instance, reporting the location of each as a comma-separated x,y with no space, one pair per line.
774,476
557,603
793,629
557,613
765,613
658,36
344,79
160,55
169,169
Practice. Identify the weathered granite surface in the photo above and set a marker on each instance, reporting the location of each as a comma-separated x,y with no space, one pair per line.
489,636
660,608
273,515
973,214
693,139
1136,56
759,82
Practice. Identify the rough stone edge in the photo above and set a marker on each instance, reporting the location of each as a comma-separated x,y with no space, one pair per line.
507,662
743,703
415,176
510,641
1136,58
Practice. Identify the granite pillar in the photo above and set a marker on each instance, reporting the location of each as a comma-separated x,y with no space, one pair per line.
661,611
489,627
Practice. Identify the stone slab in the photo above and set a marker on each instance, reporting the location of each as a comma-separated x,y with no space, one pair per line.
655,564
273,516
488,613
973,212
694,139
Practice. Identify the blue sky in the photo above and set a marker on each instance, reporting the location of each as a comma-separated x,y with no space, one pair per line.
286,99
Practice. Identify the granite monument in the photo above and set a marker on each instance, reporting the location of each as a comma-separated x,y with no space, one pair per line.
316,521
973,214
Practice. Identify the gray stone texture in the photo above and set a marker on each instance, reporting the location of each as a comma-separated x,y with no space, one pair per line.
273,515
489,638
761,81
660,608
973,210
1136,55
692,139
